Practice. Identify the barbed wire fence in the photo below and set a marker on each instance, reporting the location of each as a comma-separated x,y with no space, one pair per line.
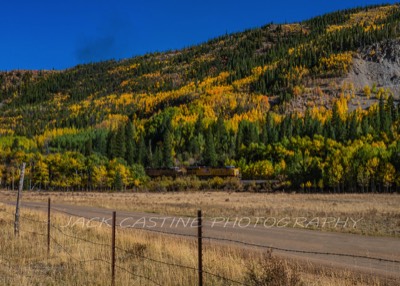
112,248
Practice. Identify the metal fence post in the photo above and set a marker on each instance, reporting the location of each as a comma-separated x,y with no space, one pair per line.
200,247
113,249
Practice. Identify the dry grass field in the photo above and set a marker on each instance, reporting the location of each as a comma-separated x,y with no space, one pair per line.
81,255
376,214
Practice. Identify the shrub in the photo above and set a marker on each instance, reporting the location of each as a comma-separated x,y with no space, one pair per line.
271,271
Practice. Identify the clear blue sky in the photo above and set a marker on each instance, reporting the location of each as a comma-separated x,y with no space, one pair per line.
44,34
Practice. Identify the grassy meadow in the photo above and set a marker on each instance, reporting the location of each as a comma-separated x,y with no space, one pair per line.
377,214
81,256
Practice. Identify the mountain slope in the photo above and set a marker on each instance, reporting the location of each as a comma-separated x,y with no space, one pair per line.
241,95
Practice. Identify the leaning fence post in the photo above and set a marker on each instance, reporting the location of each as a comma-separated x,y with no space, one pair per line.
200,247
48,225
19,197
113,249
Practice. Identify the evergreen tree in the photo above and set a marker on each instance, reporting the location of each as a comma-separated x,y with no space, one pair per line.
221,140
118,184
338,125
353,130
384,116
141,154
391,106
157,159
130,154
264,134
272,130
88,147
112,150
120,138
167,150
210,156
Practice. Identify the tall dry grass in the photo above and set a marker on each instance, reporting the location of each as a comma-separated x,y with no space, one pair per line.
143,258
379,213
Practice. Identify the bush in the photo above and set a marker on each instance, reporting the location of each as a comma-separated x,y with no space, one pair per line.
233,184
217,183
271,271
168,184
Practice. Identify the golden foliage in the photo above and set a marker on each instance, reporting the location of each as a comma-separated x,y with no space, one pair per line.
50,134
365,19
113,121
337,63
120,69
342,107
296,74
294,28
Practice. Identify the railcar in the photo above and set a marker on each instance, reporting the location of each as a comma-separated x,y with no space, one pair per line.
165,172
202,172
209,172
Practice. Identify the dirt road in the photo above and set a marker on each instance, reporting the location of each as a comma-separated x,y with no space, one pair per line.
353,250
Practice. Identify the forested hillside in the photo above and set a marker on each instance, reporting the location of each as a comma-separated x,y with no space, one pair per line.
300,103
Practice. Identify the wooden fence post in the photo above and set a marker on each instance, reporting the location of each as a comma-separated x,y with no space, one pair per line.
200,247
48,225
113,249
19,197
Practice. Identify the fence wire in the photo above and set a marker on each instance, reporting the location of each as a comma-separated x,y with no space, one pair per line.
152,260
300,251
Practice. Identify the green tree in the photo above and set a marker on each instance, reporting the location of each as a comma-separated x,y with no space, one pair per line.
141,153
120,147
210,156
130,153
118,184
167,150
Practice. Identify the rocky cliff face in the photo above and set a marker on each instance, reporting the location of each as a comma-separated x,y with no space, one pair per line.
378,64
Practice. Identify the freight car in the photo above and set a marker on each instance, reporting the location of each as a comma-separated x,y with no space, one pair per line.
165,172
208,172
200,172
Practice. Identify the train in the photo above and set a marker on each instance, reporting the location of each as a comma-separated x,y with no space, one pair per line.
202,172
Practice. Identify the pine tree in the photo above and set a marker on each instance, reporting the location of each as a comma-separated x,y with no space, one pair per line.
384,116
141,154
210,156
264,134
88,147
338,125
118,184
272,130
221,140
239,137
352,127
391,106
157,159
167,150
130,154
112,150
120,148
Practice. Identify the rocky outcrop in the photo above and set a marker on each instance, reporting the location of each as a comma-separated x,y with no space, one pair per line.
377,64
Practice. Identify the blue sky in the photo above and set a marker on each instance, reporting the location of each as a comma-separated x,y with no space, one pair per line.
46,34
